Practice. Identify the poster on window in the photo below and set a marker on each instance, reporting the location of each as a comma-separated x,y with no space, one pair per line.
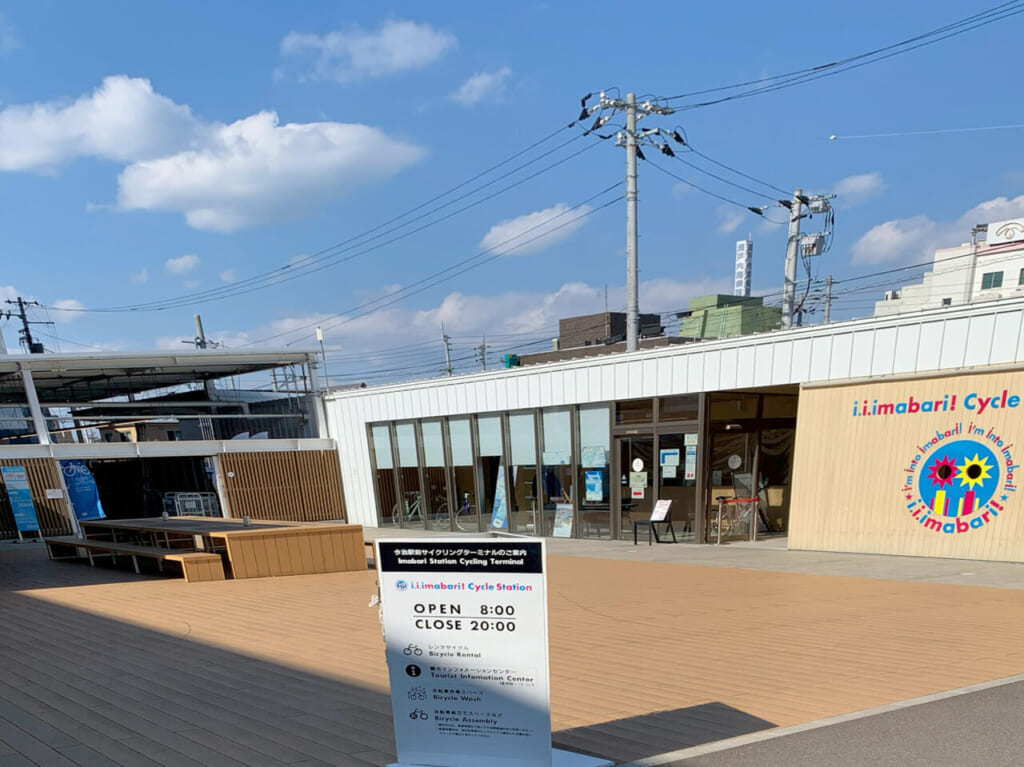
595,485
594,456
499,516
563,520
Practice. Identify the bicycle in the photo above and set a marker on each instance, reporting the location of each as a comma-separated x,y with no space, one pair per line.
412,510
465,516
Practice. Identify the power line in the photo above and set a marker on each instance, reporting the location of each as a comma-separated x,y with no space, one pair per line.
798,77
708,192
464,265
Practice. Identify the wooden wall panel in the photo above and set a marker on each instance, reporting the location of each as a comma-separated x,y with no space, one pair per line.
296,550
53,513
296,486
851,472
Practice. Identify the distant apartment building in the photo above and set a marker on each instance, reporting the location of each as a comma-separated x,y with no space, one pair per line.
989,268
722,316
595,334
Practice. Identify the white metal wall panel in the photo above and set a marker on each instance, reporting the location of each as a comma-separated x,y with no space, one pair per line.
712,369
649,378
907,340
884,352
954,342
978,348
800,364
782,362
764,356
930,345
679,375
621,388
1006,337
821,358
727,368
841,354
695,373
862,350
745,360
665,374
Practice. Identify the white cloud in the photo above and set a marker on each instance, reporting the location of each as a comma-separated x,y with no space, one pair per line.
192,284
66,310
256,171
513,321
122,120
220,176
9,41
483,86
534,232
730,219
228,275
918,237
853,190
357,54
140,276
182,264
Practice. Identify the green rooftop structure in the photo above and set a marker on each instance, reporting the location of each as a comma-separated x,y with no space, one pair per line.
724,316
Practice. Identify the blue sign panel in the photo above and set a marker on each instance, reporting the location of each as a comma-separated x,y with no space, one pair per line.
20,496
82,491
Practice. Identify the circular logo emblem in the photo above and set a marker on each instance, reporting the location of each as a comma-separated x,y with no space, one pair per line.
402,585
956,484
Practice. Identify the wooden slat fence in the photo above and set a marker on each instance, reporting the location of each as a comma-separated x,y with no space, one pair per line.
296,486
52,512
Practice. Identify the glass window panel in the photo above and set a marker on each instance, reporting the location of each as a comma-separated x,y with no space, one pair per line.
635,411
682,408
595,437
489,434
557,437
382,445
733,406
523,435
433,444
779,406
461,441
406,434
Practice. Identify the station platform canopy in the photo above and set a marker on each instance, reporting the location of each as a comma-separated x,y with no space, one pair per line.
83,378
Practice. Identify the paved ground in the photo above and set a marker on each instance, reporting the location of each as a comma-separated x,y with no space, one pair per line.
981,729
100,667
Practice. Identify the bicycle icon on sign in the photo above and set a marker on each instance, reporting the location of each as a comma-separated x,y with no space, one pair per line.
418,693
418,713
412,650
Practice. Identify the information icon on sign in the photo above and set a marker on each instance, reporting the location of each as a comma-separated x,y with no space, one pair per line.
413,670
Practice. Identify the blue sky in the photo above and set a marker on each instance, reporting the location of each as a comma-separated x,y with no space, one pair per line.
152,151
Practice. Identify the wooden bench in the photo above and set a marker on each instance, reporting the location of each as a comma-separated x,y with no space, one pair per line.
195,565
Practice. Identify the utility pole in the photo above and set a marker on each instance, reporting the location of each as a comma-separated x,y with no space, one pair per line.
447,350
25,334
828,300
482,350
630,138
632,297
320,338
200,335
792,254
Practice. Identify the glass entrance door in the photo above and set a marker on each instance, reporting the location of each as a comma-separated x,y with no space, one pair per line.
636,468
677,480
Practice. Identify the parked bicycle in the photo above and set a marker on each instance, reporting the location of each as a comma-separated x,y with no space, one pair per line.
413,516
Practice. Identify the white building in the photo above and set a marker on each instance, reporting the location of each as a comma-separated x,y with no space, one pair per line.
988,269
744,266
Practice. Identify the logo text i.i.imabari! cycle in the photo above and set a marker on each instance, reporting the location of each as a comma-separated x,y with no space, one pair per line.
960,479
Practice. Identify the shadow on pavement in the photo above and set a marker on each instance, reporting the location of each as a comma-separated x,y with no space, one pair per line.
668,730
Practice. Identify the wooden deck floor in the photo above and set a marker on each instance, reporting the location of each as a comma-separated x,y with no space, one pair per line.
101,667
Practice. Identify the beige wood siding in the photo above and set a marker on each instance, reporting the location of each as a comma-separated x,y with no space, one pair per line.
43,474
851,472
296,486
294,550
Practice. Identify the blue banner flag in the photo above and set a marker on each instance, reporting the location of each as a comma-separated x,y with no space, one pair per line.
82,490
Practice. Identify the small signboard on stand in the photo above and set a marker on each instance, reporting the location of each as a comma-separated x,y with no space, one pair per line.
20,496
466,628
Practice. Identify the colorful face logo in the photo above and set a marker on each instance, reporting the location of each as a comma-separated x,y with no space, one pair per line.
959,479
